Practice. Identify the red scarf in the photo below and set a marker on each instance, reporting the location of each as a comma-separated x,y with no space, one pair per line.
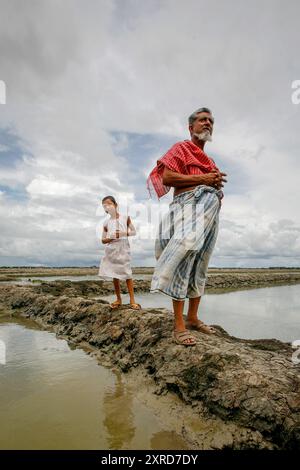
184,157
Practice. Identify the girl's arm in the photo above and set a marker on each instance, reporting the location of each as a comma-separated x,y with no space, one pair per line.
130,228
105,239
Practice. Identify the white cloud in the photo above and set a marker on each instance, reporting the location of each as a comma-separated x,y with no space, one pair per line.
73,74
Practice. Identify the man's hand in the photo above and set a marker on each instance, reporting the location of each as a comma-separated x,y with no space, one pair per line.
215,179
177,180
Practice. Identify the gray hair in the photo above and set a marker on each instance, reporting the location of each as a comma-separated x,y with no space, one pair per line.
193,116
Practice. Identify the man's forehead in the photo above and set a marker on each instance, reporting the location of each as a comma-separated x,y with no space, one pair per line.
204,114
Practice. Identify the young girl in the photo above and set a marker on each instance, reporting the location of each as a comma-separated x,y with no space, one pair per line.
116,261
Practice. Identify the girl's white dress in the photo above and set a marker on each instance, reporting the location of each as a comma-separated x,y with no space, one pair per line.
117,258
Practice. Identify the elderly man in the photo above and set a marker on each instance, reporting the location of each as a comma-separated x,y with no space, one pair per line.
187,234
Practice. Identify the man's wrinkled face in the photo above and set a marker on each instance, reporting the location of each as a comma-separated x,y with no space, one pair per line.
202,127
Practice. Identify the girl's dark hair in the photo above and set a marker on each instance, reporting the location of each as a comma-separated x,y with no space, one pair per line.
111,198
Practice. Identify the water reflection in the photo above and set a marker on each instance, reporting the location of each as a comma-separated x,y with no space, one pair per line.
118,416
53,397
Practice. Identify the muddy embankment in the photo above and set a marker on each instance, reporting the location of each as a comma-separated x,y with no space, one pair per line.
217,281
250,388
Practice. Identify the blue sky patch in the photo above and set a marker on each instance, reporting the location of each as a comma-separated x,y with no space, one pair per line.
140,150
11,149
17,194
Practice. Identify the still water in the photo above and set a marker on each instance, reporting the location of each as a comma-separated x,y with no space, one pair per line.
53,397
271,312
36,279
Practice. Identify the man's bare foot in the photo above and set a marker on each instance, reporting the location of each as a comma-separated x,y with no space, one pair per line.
200,326
184,338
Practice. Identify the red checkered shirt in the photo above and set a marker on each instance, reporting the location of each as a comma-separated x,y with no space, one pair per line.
183,157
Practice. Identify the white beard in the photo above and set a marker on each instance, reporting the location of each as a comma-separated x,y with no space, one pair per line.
204,136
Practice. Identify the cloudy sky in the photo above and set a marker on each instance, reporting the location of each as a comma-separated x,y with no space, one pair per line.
96,91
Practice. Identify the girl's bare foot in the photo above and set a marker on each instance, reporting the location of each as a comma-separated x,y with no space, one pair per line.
115,304
135,306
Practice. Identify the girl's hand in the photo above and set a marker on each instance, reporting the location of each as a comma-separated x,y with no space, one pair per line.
121,234
107,240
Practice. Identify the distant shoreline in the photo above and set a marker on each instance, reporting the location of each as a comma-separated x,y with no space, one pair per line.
218,278
144,268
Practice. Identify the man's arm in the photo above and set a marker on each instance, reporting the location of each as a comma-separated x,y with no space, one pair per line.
178,180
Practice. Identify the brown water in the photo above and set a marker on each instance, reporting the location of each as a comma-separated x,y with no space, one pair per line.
53,397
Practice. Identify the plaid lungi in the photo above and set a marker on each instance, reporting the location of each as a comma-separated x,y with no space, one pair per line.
186,238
